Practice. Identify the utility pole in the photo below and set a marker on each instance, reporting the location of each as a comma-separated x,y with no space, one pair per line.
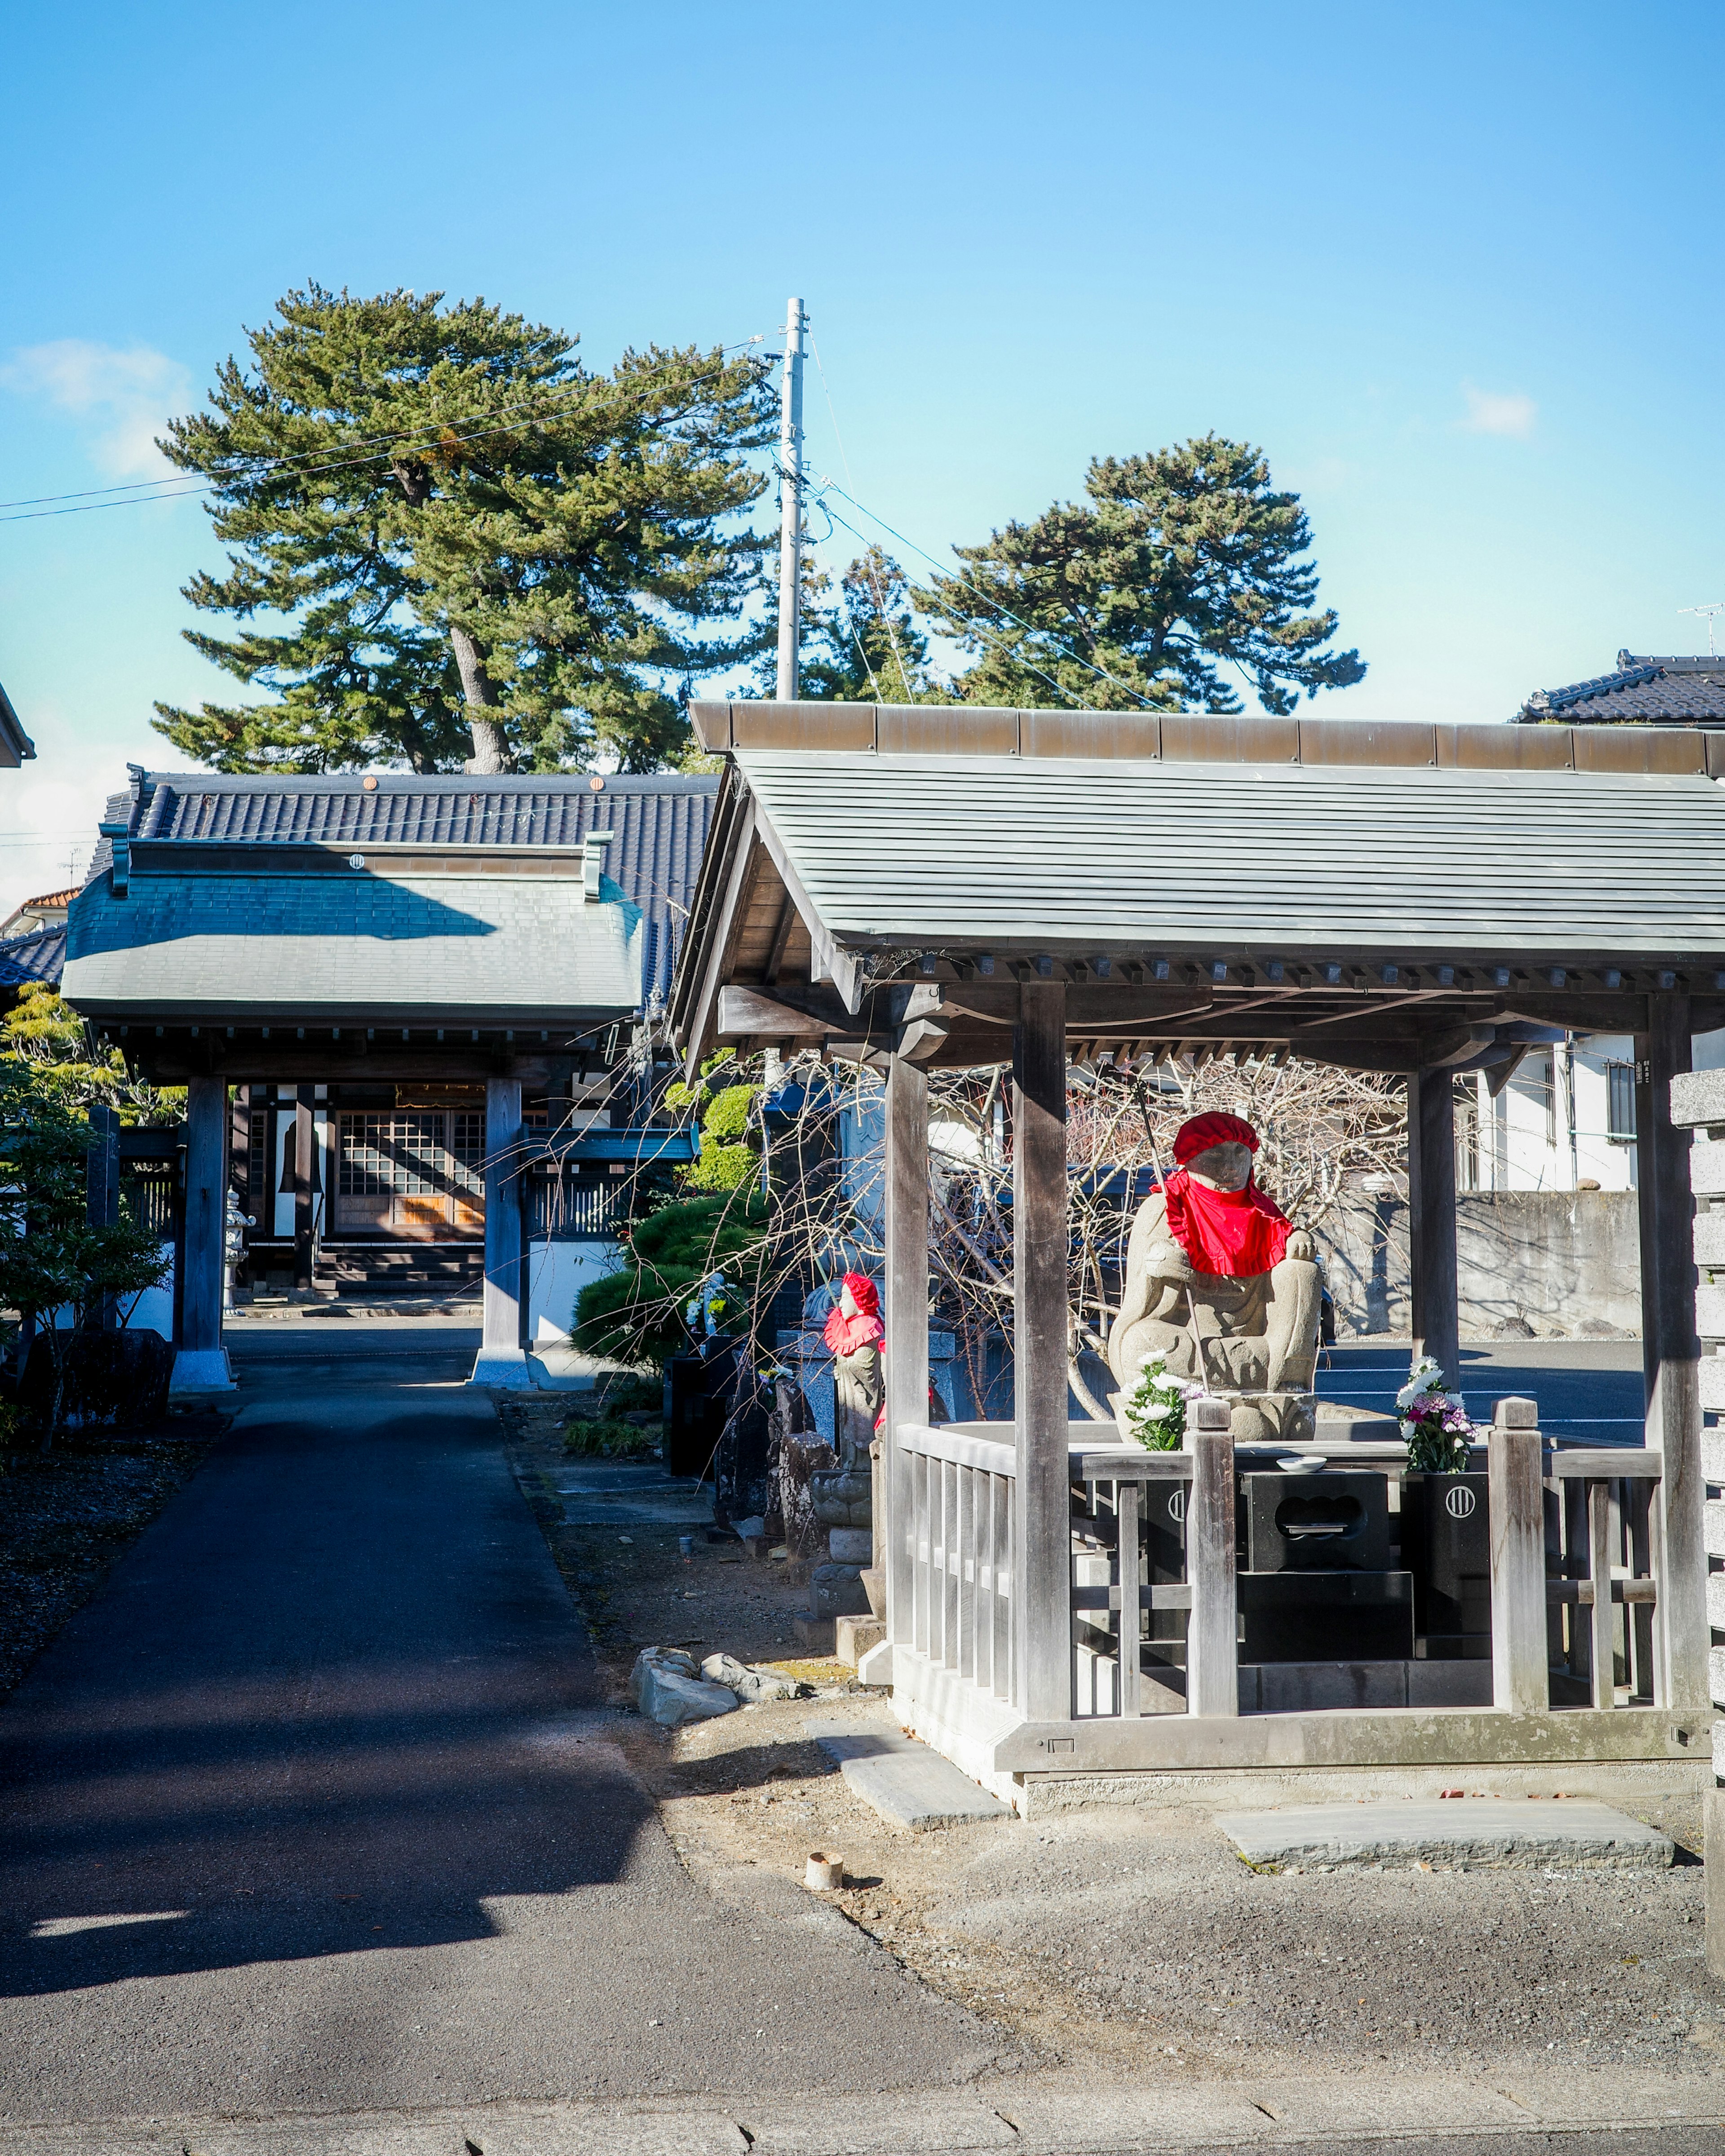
790,523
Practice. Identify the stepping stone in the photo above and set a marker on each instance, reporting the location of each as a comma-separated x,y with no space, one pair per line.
1475,1831
904,1780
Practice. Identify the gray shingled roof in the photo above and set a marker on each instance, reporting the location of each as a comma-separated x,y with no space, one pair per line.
1642,691
1022,853
486,948
660,821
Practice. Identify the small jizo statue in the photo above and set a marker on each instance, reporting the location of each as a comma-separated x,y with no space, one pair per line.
842,1494
1217,1280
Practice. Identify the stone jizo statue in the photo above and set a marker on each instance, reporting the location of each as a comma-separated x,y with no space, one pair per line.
1220,1281
842,1495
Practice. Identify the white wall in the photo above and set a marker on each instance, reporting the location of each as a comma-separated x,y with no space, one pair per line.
556,1273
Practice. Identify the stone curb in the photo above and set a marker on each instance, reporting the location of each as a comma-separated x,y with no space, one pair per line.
1034,2119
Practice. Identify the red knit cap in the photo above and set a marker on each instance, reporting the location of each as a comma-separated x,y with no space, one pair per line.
1201,1132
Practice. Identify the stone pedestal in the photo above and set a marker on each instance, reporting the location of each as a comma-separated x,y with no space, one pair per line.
853,1636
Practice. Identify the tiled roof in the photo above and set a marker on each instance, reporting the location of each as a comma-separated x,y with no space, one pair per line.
38,956
476,948
1650,692
661,823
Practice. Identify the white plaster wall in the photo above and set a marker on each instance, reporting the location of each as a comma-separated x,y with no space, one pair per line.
556,1273
153,1310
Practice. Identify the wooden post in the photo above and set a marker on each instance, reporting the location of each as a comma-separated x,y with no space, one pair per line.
1603,1642
304,1138
1671,1353
1042,1565
1515,1493
1431,1219
202,1362
906,1342
502,1361
1212,1629
102,1185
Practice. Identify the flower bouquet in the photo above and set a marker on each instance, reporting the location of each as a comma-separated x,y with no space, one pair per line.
1433,1422
1154,1411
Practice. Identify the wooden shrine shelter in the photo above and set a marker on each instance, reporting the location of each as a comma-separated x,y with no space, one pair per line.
398,1004
931,888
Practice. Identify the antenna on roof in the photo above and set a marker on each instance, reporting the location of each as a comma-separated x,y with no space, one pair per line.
1716,607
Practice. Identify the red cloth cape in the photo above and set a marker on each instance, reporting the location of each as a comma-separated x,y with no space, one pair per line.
1237,1233
845,1335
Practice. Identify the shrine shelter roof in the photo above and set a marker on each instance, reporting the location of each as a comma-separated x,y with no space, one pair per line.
384,895
1436,875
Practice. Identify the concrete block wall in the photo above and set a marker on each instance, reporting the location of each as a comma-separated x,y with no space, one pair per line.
1549,1264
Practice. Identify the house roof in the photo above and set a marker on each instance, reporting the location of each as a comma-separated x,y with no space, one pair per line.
16,747
330,943
659,822
1390,897
36,956
1646,692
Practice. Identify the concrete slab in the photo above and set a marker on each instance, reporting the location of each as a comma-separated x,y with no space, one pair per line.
902,1779
1474,1831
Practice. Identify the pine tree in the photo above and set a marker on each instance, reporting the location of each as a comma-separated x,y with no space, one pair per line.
1180,563
449,542
861,645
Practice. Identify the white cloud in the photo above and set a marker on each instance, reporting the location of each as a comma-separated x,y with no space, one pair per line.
124,397
1498,412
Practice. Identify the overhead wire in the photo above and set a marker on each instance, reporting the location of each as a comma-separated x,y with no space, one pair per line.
872,570
173,488
987,596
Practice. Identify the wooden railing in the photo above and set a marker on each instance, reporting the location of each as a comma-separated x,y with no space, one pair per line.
1151,1618
957,1552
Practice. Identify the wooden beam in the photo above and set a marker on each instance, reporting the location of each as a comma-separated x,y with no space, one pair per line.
781,937
906,1342
745,1013
1041,1519
1671,1351
844,968
1431,1219
720,933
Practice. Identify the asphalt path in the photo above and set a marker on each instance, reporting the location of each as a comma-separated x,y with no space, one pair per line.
315,1809
1589,1391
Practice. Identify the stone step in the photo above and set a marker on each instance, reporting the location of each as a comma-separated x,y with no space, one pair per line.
1712,1385
1706,1168
1712,1517
1529,1832
1716,1600
1710,1313
903,1779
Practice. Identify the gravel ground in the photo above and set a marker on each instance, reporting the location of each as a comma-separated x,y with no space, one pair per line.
1138,1943
66,1515
634,1587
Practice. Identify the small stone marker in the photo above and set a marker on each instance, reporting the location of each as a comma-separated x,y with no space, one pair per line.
1479,1831
902,1779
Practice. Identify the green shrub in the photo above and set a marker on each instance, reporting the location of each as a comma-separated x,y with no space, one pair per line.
611,1440
634,1314
721,1166
729,1113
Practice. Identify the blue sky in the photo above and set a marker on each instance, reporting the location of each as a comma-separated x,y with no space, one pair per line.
1454,269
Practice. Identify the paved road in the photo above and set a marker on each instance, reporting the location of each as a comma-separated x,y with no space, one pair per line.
312,1807
1588,1391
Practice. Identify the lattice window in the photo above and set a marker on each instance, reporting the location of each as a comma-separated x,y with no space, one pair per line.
399,1155
467,1148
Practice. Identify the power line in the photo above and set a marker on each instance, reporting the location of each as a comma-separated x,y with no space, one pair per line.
172,489
989,599
1059,686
